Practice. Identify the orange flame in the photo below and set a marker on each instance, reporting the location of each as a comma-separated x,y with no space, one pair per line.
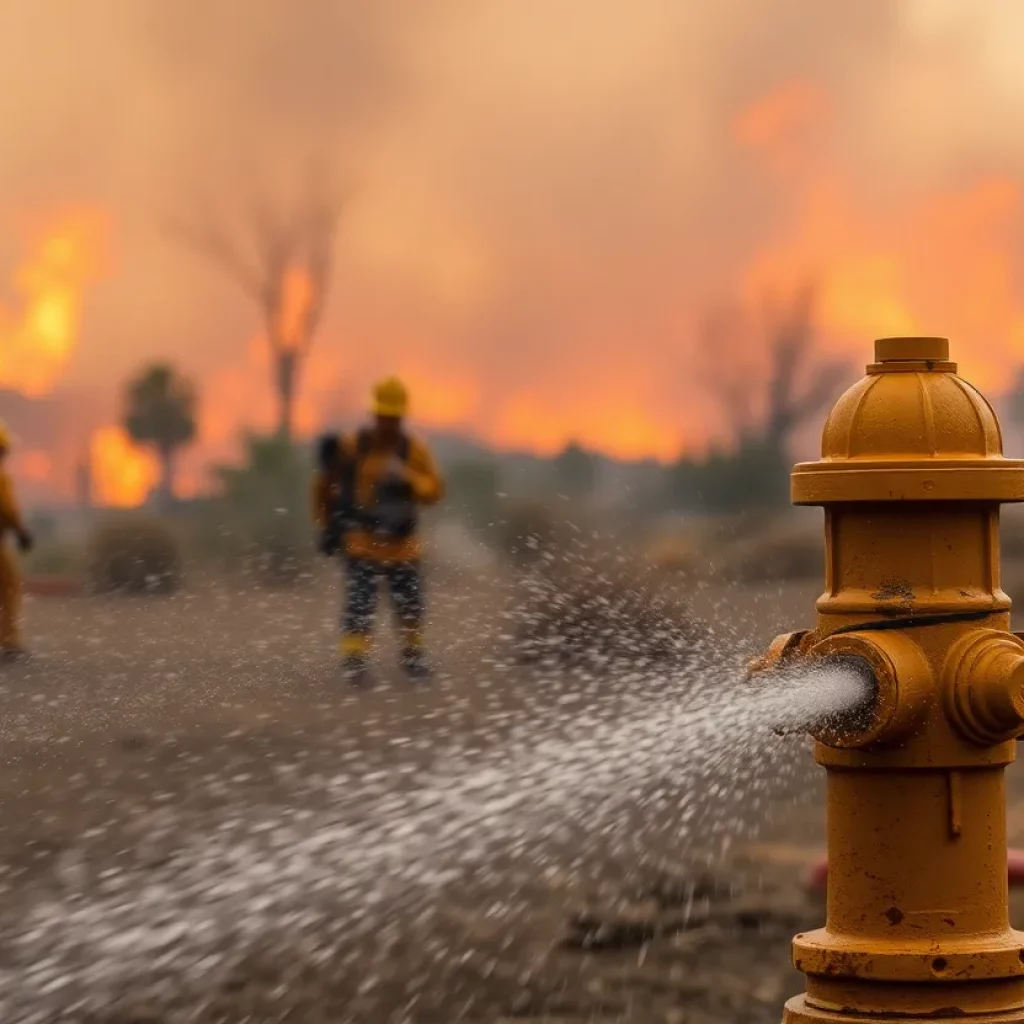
122,474
37,341
942,264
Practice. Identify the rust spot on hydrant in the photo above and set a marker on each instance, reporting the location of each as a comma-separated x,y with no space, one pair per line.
911,478
894,597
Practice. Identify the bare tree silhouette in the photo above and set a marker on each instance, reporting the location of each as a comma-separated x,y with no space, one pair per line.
724,367
769,394
803,379
282,260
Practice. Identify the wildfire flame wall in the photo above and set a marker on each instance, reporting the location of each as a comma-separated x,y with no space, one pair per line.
546,200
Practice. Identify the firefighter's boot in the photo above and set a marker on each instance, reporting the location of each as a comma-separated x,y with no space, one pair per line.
355,659
415,664
355,670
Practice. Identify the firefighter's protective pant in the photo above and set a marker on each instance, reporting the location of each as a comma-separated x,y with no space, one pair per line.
10,600
404,582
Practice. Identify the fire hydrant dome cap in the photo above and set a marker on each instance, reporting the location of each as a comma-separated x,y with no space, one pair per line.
911,429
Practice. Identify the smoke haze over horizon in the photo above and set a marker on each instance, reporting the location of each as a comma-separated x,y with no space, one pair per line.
548,197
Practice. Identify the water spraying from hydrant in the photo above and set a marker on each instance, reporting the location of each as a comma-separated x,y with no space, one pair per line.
393,838
911,479
839,696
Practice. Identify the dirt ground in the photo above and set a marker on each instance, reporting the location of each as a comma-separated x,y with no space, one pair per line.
202,823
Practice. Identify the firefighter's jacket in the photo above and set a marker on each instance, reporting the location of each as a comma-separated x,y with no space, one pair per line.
370,466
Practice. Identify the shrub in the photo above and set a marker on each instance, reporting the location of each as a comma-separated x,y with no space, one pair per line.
53,558
136,555
472,493
755,476
592,611
528,532
677,549
790,550
259,519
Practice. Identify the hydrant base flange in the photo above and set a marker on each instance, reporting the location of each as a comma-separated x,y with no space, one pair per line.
797,1011
999,959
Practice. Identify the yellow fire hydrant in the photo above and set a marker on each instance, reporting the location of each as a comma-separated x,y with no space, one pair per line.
911,478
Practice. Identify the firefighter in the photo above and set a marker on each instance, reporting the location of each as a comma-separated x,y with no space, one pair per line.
11,524
367,496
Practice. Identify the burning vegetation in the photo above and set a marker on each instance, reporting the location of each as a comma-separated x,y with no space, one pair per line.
41,329
538,273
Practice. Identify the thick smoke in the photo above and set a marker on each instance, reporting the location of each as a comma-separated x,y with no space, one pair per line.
547,194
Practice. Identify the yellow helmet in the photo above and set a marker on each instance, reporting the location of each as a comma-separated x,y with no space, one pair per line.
390,398
5,437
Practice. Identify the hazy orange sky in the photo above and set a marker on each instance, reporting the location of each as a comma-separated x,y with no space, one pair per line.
549,194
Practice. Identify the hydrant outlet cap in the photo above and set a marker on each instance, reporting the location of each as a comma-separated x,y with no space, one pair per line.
898,350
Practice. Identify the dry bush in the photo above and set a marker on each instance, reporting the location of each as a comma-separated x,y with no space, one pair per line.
135,555
581,601
790,549
679,550
526,532
748,525
591,611
54,558
748,546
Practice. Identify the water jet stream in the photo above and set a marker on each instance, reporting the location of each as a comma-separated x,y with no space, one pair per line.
395,838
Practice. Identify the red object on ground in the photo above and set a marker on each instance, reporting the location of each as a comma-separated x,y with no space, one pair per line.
1015,867
52,586
817,877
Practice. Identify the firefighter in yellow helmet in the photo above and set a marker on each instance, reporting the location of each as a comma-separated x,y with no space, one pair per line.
367,494
11,525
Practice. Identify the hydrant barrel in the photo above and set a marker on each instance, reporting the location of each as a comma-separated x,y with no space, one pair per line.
911,478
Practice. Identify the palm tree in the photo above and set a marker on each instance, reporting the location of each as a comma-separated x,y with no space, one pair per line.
160,413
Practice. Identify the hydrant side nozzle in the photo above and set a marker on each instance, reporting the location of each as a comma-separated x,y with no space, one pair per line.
901,688
838,724
984,686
